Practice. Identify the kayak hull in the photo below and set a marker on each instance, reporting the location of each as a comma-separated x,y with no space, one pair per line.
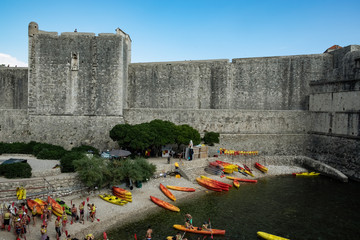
112,199
167,192
209,185
261,167
55,206
236,183
269,236
196,230
164,204
306,174
32,203
242,179
122,193
183,189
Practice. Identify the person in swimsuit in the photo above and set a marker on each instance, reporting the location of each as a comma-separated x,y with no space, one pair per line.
33,213
73,213
58,228
81,209
18,228
49,208
43,232
148,233
7,217
64,221
23,223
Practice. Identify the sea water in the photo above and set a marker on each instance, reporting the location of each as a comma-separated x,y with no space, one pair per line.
291,207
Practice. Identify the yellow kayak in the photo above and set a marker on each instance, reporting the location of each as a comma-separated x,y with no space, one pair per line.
112,199
270,236
306,174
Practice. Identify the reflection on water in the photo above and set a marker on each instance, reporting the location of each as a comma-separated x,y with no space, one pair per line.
295,208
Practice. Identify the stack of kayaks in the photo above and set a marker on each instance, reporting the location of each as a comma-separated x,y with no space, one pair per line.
306,174
183,189
199,231
55,206
248,170
261,167
228,167
209,185
33,204
242,179
122,193
214,168
112,199
164,204
243,171
167,192
222,185
65,207
270,236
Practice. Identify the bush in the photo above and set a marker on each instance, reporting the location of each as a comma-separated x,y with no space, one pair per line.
211,137
92,172
16,147
16,170
85,149
48,151
67,161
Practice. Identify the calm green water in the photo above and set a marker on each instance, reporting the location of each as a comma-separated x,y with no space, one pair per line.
295,208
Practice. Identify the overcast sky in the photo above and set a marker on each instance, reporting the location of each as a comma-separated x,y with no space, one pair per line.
177,30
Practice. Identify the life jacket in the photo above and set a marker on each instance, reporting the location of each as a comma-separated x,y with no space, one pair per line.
49,207
43,230
7,216
58,224
93,209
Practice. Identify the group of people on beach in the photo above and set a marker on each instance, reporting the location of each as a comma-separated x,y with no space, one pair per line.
20,220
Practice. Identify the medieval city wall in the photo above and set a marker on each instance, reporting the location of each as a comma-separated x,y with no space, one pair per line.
271,83
13,88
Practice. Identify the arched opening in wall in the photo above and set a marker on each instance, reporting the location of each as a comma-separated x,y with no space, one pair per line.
357,63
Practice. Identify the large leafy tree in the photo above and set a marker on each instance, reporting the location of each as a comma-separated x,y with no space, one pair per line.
185,133
163,133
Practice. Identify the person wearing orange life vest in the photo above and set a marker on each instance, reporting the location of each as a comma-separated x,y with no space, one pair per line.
49,208
33,213
64,221
81,209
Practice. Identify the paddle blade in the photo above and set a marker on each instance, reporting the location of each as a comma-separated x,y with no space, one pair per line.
83,203
42,216
9,228
135,236
87,199
66,233
26,211
12,204
71,202
105,236
98,220
15,210
71,222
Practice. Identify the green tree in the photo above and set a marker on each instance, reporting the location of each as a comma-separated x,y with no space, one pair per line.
67,161
211,137
185,133
163,132
93,172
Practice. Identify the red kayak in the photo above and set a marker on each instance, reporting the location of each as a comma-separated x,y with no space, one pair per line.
208,185
184,189
164,204
167,192
261,167
247,168
222,185
242,179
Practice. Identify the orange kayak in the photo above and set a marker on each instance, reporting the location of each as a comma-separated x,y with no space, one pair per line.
167,192
209,185
236,183
184,189
55,206
121,191
164,204
222,185
32,204
242,179
198,231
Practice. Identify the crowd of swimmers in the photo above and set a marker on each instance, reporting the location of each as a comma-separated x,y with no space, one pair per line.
20,220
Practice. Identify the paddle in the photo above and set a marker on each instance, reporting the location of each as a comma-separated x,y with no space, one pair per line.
210,229
135,236
105,236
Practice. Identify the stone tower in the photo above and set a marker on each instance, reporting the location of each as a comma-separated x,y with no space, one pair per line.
79,75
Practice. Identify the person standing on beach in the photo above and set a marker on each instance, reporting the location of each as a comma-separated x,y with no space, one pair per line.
49,208
33,213
64,221
73,213
43,232
57,228
148,233
81,209
7,217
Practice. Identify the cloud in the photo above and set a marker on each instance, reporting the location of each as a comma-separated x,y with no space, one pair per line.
12,61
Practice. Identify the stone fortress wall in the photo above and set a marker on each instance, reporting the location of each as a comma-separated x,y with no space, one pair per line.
80,85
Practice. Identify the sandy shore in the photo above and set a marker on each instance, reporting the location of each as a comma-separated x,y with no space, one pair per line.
111,215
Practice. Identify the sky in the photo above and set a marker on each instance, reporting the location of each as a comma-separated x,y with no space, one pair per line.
178,30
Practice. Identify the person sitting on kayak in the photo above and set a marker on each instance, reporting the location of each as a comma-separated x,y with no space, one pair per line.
205,226
179,237
188,225
188,217
89,237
